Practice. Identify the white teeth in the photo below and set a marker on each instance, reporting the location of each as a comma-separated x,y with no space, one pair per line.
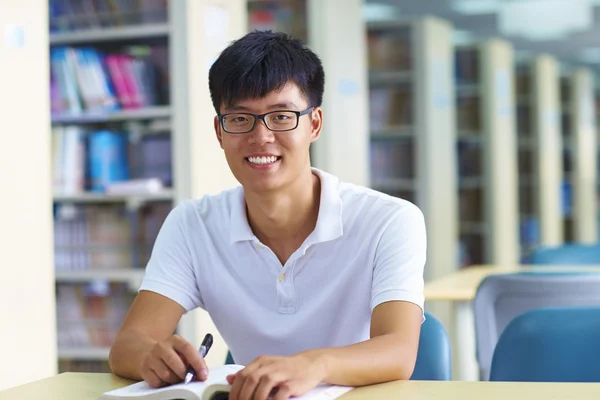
262,160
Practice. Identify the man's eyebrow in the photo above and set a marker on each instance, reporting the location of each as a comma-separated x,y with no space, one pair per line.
286,105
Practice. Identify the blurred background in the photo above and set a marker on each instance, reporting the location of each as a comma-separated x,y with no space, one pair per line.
482,112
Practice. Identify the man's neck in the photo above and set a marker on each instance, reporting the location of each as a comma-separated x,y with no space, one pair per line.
285,218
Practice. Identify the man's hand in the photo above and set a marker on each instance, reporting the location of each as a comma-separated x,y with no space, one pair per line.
283,376
167,362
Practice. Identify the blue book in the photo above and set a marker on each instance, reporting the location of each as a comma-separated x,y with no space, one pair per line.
108,160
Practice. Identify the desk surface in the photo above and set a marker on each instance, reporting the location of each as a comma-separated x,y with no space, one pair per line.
87,386
462,285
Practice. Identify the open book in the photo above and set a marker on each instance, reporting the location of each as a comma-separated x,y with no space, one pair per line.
214,388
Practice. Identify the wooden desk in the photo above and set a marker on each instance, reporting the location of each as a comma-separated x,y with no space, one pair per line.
86,386
462,285
459,288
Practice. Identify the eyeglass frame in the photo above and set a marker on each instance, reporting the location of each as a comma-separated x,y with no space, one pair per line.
262,117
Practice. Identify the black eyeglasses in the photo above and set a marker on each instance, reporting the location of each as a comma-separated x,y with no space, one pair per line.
276,121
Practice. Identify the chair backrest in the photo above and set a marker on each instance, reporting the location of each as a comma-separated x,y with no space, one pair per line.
566,254
500,298
434,357
558,344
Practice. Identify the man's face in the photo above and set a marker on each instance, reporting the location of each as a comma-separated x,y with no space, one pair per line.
263,159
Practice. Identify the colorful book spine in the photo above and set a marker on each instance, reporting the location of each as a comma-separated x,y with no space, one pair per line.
107,159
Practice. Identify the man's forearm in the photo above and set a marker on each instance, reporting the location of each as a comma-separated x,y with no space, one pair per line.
380,359
127,353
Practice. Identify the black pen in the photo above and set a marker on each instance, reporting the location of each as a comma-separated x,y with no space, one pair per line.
203,350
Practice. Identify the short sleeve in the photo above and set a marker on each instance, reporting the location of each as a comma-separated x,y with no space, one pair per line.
400,259
170,271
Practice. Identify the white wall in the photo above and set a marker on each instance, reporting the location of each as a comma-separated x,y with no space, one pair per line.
27,307
337,35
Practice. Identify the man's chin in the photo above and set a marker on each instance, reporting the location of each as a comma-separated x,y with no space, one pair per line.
265,184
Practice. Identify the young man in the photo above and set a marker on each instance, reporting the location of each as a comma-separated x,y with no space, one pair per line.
307,279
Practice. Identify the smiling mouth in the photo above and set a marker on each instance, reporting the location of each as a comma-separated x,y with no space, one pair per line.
263,160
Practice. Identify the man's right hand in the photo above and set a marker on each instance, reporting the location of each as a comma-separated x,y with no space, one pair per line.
168,361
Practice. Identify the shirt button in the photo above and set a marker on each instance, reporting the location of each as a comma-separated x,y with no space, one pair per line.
281,277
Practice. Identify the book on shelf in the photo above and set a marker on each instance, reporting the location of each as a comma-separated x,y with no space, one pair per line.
390,106
93,366
468,113
92,238
390,50
105,237
470,156
529,235
89,315
214,388
69,15
467,64
88,79
288,16
392,160
95,160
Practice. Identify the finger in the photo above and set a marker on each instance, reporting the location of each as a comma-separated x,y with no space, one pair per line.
191,356
240,377
174,362
164,373
284,391
151,378
267,383
249,386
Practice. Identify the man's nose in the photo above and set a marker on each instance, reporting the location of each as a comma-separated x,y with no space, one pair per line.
260,134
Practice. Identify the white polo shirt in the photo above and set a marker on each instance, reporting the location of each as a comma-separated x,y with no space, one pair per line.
367,248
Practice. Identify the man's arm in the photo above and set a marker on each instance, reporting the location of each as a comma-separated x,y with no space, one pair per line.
145,347
390,354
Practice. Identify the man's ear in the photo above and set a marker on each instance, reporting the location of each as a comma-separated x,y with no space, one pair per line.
218,131
316,120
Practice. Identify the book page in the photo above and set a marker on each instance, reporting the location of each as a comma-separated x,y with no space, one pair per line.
216,375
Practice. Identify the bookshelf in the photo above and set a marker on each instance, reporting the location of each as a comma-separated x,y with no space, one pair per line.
579,132
146,113
539,153
131,276
288,16
160,124
487,156
99,35
83,353
412,126
79,198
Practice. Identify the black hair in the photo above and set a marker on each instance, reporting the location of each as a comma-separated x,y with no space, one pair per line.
261,62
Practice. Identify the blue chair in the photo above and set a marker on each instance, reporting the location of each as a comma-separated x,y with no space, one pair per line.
500,298
229,359
434,359
551,344
567,254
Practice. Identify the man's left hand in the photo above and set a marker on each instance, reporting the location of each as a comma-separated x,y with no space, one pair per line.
280,377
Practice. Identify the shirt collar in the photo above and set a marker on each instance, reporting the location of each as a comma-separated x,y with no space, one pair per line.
239,229
329,221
